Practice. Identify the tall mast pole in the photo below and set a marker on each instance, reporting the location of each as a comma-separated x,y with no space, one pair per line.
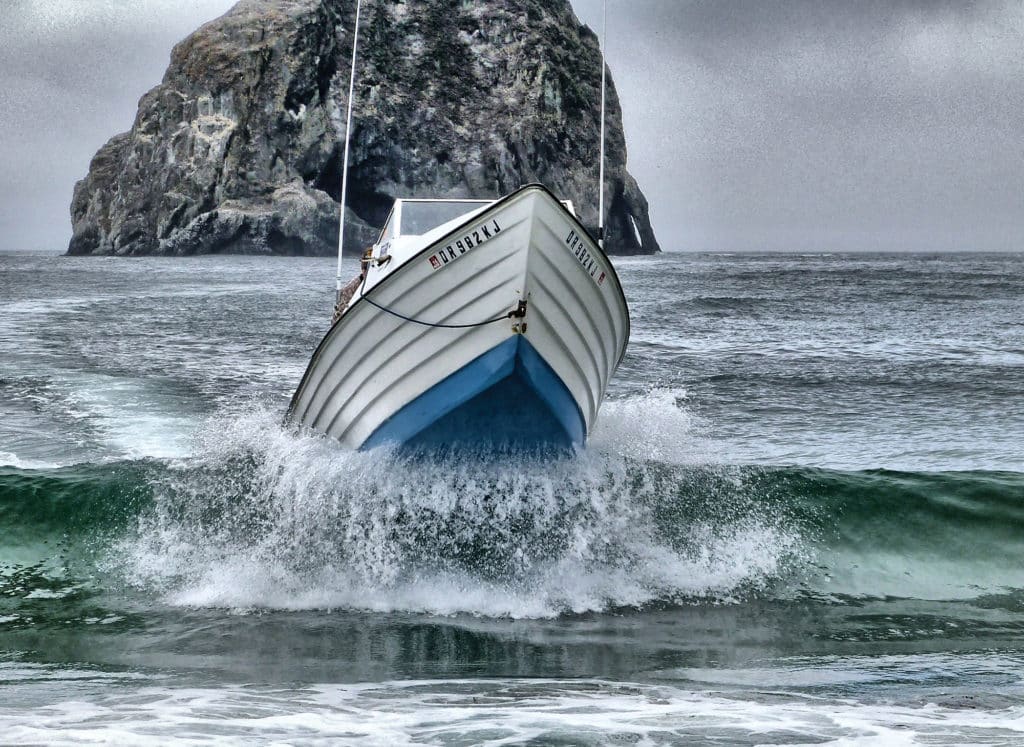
348,131
600,199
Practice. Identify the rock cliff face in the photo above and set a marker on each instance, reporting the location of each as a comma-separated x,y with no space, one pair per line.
239,149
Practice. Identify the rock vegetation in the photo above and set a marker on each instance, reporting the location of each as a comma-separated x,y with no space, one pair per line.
239,149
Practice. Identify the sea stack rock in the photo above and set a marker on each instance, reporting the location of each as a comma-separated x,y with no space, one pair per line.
239,149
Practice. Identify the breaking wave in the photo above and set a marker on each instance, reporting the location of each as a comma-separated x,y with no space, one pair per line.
268,518
263,517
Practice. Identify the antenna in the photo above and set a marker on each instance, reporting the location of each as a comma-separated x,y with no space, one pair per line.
600,187
348,130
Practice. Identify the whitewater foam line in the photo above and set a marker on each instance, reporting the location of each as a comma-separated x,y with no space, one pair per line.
486,712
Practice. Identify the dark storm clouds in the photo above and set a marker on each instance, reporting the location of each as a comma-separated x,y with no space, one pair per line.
803,125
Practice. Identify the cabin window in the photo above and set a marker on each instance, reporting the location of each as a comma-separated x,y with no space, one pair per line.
422,216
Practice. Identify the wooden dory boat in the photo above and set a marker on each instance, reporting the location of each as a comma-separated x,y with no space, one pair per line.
477,323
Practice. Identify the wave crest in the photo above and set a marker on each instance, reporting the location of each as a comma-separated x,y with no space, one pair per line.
264,517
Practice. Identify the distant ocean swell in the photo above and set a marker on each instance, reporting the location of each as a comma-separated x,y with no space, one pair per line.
263,518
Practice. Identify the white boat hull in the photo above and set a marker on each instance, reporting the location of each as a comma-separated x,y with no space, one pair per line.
384,373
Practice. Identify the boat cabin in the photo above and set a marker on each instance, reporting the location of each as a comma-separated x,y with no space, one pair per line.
418,217
414,224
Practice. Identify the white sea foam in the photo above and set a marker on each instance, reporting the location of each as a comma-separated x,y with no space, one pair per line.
90,417
132,418
265,518
7,459
488,712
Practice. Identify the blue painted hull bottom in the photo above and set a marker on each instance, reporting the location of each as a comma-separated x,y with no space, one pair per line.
509,397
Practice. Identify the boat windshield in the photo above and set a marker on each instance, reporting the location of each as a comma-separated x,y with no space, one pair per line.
421,216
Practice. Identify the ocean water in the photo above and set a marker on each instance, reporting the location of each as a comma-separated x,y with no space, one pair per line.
800,520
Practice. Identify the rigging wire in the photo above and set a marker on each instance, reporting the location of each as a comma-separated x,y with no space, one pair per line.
600,186
348,131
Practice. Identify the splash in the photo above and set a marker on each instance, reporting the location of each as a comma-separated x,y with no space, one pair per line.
7,459
263,517
655,426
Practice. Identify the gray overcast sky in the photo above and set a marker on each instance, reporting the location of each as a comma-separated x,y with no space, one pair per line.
752,124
